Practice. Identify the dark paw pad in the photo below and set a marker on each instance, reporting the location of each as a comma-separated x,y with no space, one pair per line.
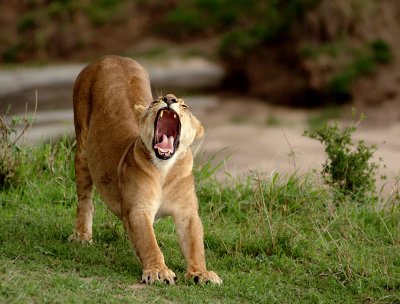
196,279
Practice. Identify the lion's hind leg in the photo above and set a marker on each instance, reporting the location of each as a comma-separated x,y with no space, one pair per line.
84,187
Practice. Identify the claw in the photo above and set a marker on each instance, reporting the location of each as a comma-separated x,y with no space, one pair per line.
204,277
164,275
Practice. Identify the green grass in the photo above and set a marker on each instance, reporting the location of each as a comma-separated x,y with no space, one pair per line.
273,239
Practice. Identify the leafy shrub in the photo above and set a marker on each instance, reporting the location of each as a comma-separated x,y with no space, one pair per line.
348,168
11,156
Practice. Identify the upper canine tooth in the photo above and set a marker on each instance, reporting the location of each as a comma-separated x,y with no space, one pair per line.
162,112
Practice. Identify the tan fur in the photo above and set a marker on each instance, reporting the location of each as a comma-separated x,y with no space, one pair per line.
114,121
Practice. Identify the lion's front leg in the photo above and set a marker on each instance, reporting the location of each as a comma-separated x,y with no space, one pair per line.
139,226
190,232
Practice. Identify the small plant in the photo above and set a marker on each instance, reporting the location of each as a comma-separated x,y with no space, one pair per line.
348,168
10,153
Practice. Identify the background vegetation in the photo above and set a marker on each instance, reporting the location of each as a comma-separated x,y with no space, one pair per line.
320,48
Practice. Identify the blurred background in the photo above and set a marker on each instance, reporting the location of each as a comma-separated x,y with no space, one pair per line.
256,73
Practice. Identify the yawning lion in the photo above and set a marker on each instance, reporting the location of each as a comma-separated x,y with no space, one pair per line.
136,152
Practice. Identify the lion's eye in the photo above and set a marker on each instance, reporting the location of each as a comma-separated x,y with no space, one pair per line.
184,106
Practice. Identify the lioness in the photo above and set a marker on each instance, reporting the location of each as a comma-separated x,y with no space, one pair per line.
136,152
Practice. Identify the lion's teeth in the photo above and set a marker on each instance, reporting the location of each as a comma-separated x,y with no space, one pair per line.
161,114
174,115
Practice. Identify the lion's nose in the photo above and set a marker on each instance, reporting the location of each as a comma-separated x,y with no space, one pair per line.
169,99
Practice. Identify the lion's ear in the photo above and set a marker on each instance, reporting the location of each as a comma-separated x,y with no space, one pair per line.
200,131
138,110
199,128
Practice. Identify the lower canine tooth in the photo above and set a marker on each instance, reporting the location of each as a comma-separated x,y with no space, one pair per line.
174,115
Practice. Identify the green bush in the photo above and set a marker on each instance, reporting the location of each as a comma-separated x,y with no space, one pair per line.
11,156
348,167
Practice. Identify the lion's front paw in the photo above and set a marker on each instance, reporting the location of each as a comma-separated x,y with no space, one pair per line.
165,275
203,277
80,237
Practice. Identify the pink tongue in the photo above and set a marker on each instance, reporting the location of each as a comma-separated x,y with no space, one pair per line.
167,144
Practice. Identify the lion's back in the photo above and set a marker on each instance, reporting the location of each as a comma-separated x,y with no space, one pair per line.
105,93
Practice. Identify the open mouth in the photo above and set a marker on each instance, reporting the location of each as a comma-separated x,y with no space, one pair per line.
167,128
